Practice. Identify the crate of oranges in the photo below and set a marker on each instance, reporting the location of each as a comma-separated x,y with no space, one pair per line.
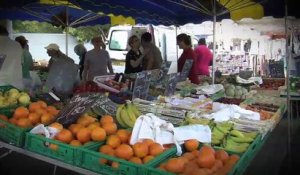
197,159
86,133
15,123
117,156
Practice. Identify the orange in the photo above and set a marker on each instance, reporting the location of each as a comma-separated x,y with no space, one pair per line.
74,128
147,158
24,123
113,140
86,120
21,112
57,126
103,161
191,145
13,120
65,136
75,143
124,151
34,118
53,147
42,104
110,128
46,118
222,155
148,141
190,167
41,111
140,149
217,165
106,149
106,119
4,117
196,153
115,164
206,158
52,110
162,166
175,165
98,134
34,106
156,149
93,125
188,155
123,134
84,135
136,160
206,148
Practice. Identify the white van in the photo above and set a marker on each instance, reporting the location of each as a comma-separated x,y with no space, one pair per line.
163,37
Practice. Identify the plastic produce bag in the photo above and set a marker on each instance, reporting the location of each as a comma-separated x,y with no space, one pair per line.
62,77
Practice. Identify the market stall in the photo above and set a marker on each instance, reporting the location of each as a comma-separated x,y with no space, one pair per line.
92,129
99,131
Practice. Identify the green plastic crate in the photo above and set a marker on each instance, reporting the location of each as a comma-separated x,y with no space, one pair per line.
91,157
63,152
238,168
12,134
247,156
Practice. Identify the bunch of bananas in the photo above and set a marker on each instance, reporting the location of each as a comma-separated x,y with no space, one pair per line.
238,141
127,114
201,121
219,132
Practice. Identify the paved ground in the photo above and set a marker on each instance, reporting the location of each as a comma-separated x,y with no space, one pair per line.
270,160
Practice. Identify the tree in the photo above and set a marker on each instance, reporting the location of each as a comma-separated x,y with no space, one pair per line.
35,27
82,34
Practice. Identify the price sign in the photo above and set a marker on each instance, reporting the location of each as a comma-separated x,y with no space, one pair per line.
141,85
186,69
276,69
76,107
106,105
170,83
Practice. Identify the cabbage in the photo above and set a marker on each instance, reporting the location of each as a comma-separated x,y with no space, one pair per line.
238,93
229,92
245,91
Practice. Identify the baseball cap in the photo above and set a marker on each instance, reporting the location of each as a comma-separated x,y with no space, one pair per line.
52,46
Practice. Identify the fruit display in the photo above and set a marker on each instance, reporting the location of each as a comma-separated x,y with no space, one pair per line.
85,130
89,86
266,107
235,101
127,114
264,115
13,97
207,160
118,146
235,91
36,113
272,83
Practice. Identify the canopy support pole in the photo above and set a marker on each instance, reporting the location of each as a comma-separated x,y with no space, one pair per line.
67,30
289,114
214,41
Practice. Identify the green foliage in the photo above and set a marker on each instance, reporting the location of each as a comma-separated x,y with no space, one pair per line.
86,33
35,27
82,34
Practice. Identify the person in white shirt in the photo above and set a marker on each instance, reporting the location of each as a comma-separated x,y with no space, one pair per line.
10,61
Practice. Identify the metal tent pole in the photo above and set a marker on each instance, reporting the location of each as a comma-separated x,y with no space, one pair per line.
214,41
289,115
67,29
